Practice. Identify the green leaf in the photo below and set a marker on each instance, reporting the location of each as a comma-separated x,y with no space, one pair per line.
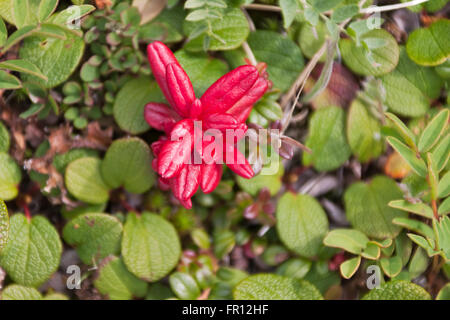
4,225
116,282
349,267
344,12
18,292
283,57
444,208
402,129
372,251
327,140
46,8
18,36
167,26
350,240
294,268
433,131
226,34
385,57
275,287
224,241
127,163
33,250
72,13
391,266
130,102
441,153
398,290
55,296
84,180
201,69
261,181
443,236
22,66
61,161
427,46
10,176
426,244
444,293
301,224
311,38
201,238
420,208
150,246
419,263
367,207
94,235
21,12
8,81
325,5
432,177
3,33
363,133
409,87
416,163
289,11
184,286
56,58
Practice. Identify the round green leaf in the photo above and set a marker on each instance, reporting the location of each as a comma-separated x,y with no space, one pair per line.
363,133
201,69
55,58
229,32
94,236
409,87
6,11
386,56
18,292
430,46
150,246
4,138
398,290
327,140
301,224
367,207
130,102
4,225
275,287
128,162
294,268
33,250
116,282
84,180
10,176
282,55
184,286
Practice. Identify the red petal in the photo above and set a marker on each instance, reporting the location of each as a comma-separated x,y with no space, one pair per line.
196,109
176,152
236,161
157,145
220,121
160,116
241,109
187,203
210,177
232,89
163,184
186,183
180,88
159,57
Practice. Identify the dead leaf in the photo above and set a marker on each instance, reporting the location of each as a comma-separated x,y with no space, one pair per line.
149,9
101,4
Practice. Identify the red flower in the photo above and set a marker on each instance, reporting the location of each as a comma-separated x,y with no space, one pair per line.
180,159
